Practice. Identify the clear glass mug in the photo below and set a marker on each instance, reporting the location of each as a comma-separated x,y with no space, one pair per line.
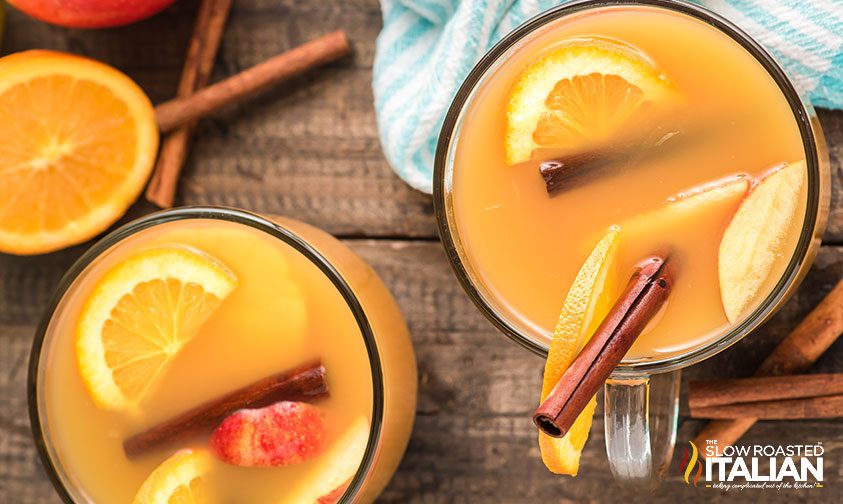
385,335
641,398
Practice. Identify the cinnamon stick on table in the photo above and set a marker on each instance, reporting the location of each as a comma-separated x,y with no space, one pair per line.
799,349
646,293
305,383
201,53
709,393
830,406
768,397
183,110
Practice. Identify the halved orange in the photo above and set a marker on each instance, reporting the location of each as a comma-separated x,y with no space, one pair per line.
589,300
78,140
178,480
580,94
138,317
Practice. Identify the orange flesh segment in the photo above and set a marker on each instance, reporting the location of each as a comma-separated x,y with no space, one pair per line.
586,110
177,480
136,347
78,140
582,94
588,301
138,317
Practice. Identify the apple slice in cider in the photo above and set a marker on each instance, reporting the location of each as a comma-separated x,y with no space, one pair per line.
756,237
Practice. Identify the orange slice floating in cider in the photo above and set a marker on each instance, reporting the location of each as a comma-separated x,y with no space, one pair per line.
588,301
578,95
138,317
178,480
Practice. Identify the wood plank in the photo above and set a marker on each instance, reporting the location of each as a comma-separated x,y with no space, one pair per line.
832,124
473,439
309,149
22,479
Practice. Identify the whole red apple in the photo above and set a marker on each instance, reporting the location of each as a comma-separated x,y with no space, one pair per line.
90,13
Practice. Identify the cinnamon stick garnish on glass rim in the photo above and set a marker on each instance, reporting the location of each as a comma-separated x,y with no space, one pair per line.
198,64
305,383
645,294
796,353
184,110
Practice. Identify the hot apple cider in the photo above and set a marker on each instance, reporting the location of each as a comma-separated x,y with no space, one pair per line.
204,360
614,134
623,184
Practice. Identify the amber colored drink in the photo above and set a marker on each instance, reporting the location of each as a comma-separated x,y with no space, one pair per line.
525,246
284,311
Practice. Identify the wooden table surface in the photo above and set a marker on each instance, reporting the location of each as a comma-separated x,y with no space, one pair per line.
310,150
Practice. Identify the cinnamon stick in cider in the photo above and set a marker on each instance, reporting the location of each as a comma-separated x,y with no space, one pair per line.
578,168
645,294
305,383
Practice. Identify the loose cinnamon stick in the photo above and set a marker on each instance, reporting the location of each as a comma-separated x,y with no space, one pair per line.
201,53
804,345
710,393
183,110
644,295
786,409
799,349
305,383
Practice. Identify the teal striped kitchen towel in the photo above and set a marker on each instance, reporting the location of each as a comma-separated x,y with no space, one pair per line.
427,47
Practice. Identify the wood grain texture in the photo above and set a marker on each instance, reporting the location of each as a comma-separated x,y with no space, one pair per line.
310,150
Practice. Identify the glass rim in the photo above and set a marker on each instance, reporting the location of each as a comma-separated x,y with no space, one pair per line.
802,113
237,216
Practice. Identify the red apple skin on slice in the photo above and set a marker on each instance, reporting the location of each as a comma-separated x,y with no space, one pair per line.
756,236
282,434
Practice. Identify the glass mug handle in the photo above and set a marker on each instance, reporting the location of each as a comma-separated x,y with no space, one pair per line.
640,416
